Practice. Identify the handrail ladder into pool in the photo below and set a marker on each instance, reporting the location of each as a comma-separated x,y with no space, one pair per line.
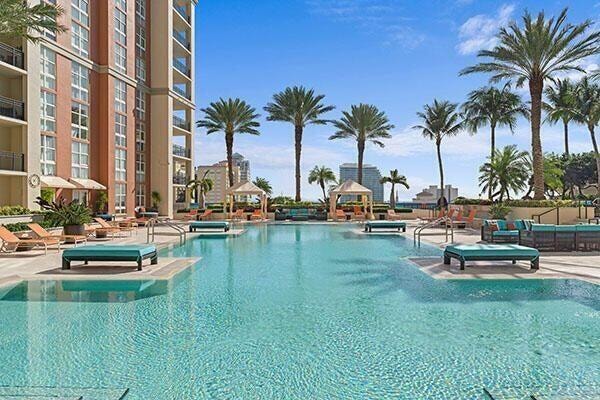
445,221
151,233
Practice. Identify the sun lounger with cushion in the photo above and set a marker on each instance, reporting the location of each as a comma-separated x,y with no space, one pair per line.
391,215
386,225
11,243
212,225
491,252
41,233
132,253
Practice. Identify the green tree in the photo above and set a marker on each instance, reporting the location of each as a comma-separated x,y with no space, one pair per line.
230,117
322,176
395,179
439,120
20,20
202,186
587,112
532,54
264,184
300,107
363,123
553,175
560,105
507,171
580,171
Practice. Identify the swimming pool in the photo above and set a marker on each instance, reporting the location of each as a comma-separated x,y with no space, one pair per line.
309,312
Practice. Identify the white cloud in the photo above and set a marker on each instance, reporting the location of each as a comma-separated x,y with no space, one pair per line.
479,32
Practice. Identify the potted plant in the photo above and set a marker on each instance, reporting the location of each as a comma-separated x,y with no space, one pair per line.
101,202
71,216
499,211
156,199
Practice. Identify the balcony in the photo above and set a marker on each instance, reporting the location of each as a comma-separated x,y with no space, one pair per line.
181,151
10,161
182,91
180,180
12,108
183,12
11,55
182,39
181,123
181,67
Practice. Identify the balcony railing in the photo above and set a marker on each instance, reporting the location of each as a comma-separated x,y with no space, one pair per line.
11,55
182,39
181,151
180,180
182,91
12,108
181,123
181,67
12,161
182,11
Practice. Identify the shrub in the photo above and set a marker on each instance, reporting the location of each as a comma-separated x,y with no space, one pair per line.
15,210
22,226
62,213
499,211
462,201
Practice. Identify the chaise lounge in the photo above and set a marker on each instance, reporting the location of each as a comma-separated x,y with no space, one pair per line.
385,225
212,225
491,252
132,253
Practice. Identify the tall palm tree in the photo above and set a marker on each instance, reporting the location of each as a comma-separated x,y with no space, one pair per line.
20,20
201,187
440,120
560,105
322,176
264,184
395,179
363,123
507,171
587,112
229,116
531,54
299,106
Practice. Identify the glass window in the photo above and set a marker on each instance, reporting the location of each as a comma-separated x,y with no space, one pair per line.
79,121
80,154
80,196
48,68
120,165
47,111
121,58
80,11
120,96
80,39
122,4
140,69
140,135
120,198
80,82
140,195
140,167
120,130
120,27
180,195
140,8
140,104
140,39
48,155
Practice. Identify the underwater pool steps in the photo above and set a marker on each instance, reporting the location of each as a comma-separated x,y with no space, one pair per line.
61,393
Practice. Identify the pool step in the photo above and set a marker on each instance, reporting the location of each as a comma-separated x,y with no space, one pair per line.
61,393
548,393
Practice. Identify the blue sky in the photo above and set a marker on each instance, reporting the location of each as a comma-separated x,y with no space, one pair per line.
395,54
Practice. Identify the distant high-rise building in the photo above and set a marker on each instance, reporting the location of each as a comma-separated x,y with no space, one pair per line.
244,166
219,173
371,178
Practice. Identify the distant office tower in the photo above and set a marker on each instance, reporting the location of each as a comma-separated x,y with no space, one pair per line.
371,179
219,173
243,165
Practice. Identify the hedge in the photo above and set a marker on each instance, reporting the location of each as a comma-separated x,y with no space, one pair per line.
520,203
22,226
15,210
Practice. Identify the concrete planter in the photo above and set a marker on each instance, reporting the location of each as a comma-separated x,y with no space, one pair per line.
566,215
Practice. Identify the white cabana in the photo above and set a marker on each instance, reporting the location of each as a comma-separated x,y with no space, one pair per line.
245,189
352,188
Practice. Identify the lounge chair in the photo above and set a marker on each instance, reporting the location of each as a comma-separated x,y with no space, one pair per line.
11,243
192,215
392,216
205,215
461,223
491,252
256,215
358,214
299,214
212,225
44,234
98,232
238,215
340,214
133,253
387,225
114,228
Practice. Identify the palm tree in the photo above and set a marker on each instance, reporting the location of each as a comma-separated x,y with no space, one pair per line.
363,123
202,186
230,117
508,170
322,176
20,20
439,120
532,54
560,105
301,107
395,179
264,184
587,112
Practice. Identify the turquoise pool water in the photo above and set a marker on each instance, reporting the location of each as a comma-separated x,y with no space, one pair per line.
305,312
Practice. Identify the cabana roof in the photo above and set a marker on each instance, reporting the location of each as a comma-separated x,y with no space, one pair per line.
351,187
247,188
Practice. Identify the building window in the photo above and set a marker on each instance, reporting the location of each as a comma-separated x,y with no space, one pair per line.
140,104
121,58
120,198
48,155
140,195
80,82
140,136
120,130
47,111
180,195
80,12
122,4
80,39
120,165
48,68
140,167
140,8
80,154
79,121
81,196
120,96
120,27
140,39
140,69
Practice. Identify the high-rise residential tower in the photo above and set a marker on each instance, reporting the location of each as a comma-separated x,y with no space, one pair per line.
371,179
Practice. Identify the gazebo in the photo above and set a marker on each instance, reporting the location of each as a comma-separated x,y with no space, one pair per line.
245,189
352,188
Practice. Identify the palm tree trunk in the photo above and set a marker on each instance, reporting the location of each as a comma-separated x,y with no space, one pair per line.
596,155
361,152
298,140
439,156
202,200
492,152
536,87
324,194
229,146
566,128
393,197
